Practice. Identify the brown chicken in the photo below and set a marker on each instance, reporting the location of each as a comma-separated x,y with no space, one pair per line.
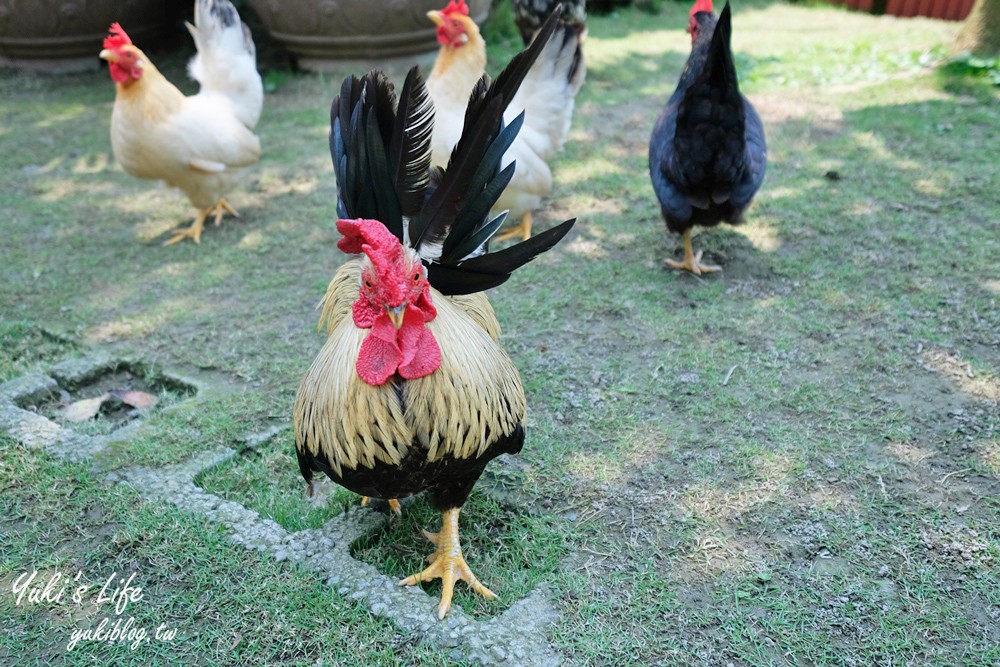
198,144
412,390
546,97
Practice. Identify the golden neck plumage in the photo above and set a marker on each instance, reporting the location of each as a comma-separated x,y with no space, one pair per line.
462,66
156,96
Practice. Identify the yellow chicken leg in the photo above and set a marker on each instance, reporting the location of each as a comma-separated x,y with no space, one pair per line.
193,232
447,564
221,207
393,505
692,261
523,229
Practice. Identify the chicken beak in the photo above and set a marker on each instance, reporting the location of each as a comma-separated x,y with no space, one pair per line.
435,16
107,54
396,315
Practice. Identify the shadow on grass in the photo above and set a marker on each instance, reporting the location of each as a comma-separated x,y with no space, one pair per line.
752,436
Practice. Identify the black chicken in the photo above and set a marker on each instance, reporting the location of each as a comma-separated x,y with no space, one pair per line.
707,155
529,15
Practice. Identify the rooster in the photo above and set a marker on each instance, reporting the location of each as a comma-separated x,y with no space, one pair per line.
412,390
707,154
198,143
530,14
546,96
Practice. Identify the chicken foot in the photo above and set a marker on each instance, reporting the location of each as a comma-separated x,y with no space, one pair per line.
393,504
692,261
447,563
193,232
522,229
222,206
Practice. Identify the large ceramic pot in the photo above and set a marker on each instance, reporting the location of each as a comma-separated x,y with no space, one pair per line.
320,32
66,35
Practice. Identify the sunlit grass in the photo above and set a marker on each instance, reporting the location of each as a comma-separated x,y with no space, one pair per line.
764,466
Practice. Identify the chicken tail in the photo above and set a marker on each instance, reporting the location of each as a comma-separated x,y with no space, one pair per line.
548,93
454,225
711,125
381,157
226,62
528,16
719,65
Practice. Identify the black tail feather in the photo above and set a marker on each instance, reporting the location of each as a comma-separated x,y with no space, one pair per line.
381,156
362,139
409,150
487,184
483,116
720,63
492,269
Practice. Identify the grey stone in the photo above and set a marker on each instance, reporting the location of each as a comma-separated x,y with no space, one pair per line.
74,372
33,388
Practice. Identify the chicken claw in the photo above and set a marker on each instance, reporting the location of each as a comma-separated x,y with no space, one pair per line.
447,564
222,207
193,232
692,261
393,505
523,229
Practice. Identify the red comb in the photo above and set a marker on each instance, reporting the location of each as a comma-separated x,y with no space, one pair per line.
456,7
116,37
370,237
360,232
701,6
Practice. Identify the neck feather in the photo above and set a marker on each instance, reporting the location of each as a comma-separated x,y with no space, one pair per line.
461,67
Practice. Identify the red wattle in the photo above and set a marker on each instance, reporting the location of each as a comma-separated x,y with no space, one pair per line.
411,350
379,356
118,73
364,313
421,355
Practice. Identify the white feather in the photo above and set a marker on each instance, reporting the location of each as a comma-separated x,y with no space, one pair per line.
226,62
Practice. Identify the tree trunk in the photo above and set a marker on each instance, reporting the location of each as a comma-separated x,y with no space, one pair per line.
981,31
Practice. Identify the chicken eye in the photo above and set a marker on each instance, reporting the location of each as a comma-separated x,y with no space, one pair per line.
368,283
416,276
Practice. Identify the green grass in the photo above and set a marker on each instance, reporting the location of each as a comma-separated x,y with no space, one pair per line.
226,605
793,462
251,479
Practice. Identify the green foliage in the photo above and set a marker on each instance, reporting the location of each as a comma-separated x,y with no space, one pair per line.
499,28
649,6
968,64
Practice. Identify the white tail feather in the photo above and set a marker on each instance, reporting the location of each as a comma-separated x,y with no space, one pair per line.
548,93
226,62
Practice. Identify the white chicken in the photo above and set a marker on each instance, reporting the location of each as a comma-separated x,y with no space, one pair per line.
546,97
200,143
